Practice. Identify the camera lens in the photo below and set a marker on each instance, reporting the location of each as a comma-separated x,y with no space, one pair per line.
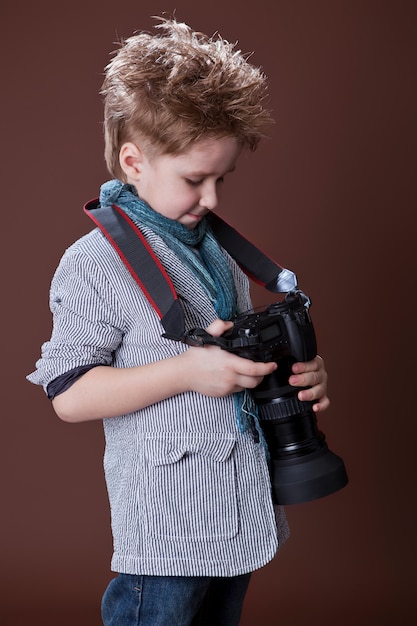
302,466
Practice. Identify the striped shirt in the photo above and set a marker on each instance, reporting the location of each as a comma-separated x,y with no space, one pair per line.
189,493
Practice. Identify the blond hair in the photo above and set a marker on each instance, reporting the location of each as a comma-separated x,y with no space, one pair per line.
172,88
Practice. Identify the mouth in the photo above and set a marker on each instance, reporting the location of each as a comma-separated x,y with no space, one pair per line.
192,219
196,216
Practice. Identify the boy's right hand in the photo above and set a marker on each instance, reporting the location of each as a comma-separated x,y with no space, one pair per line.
216,372
105,392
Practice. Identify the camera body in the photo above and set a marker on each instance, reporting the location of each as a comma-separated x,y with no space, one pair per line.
301,464
282,331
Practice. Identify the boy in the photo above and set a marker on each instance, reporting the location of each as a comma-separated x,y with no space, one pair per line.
188,483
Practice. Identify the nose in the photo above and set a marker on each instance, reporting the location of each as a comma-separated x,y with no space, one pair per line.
209,197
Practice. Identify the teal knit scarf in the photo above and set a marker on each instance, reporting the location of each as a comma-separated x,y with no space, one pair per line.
200,252
197,248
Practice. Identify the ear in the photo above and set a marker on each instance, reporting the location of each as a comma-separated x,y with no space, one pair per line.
131,159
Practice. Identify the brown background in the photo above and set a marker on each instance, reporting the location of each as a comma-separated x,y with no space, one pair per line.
331,196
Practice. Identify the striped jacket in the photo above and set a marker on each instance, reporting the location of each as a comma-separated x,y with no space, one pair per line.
189,493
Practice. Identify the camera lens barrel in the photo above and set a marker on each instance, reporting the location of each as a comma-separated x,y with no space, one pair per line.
302,466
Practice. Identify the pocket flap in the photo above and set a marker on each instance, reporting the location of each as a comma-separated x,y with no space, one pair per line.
166,449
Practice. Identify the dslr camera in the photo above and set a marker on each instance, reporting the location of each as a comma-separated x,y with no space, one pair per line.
302,466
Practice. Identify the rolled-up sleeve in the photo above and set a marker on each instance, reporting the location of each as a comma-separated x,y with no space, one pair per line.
87,319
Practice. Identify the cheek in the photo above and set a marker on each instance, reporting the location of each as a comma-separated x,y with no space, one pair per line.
186,196
168,195
177,201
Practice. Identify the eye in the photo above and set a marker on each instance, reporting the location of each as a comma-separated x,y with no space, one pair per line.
193,183
220,180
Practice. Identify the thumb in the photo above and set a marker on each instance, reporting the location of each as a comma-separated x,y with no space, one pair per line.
218,327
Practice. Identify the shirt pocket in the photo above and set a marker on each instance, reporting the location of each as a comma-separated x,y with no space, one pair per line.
190,486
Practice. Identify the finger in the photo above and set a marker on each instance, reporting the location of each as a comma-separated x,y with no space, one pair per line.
312,393
322,405
308,379
249,382
218,327
254,369
315,364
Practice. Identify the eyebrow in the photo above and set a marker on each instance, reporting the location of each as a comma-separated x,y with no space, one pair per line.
203,174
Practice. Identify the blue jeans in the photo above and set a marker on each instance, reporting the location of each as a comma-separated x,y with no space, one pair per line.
132,600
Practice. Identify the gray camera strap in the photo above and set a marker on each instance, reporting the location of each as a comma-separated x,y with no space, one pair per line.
150,275
255,263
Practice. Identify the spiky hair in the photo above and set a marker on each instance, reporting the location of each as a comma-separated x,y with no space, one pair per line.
174,87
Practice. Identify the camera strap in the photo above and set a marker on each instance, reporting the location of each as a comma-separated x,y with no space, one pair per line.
150,275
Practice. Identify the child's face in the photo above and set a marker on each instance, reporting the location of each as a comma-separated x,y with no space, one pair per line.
186,186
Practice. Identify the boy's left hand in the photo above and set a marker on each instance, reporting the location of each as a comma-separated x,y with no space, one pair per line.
313,375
